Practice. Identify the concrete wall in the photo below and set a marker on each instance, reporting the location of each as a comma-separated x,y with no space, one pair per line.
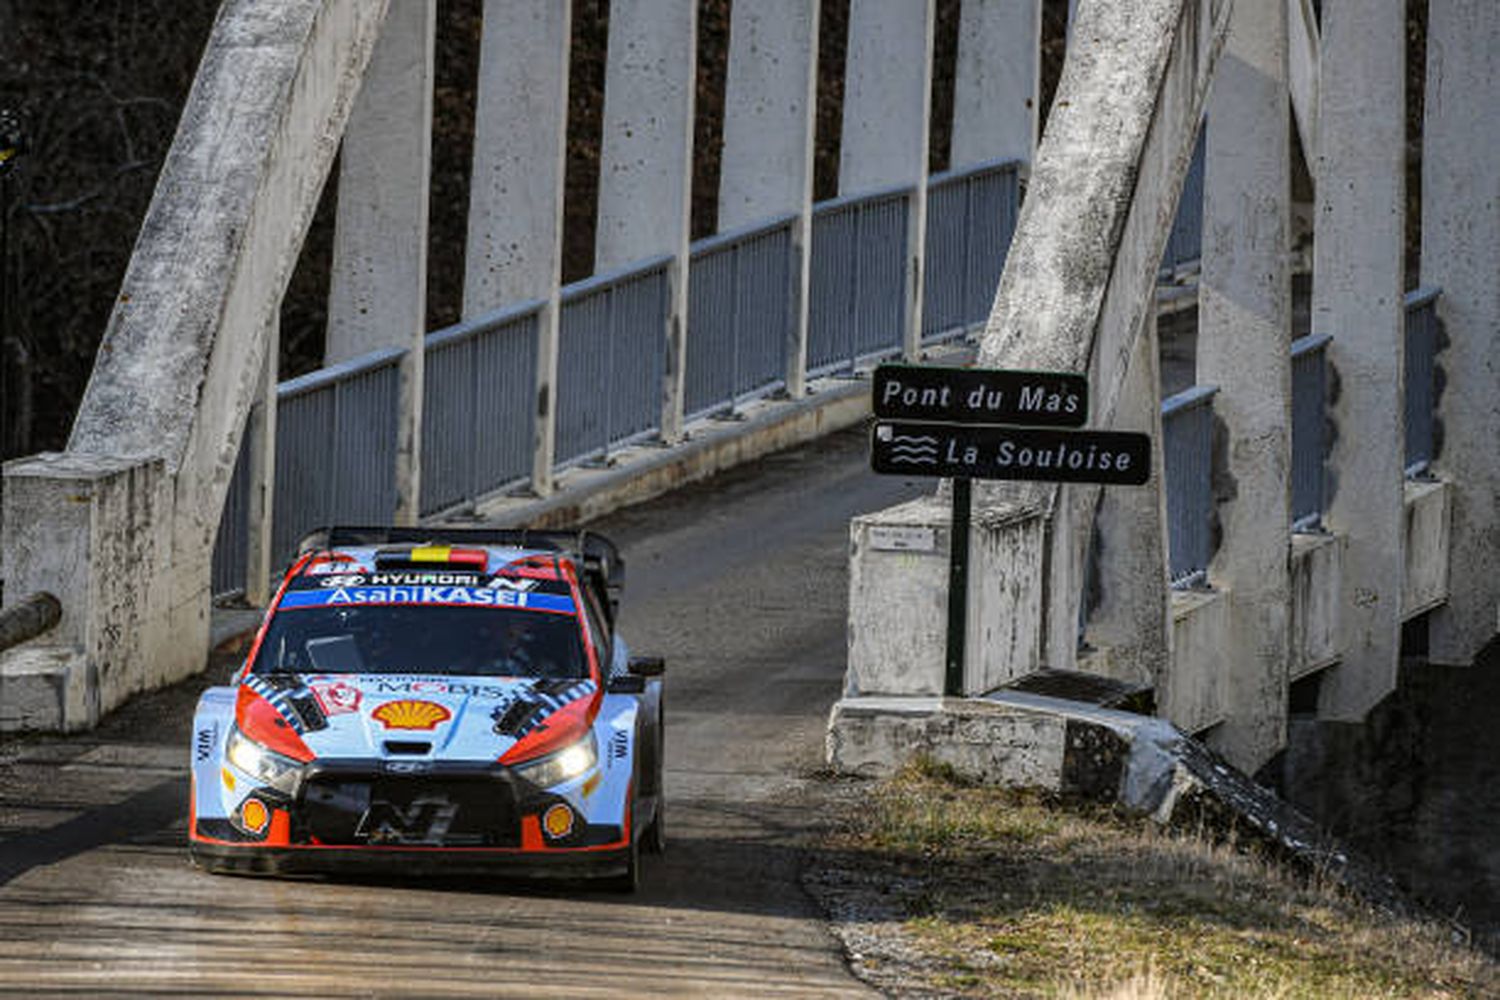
1244,333
1357,297
645,160
1460,244
514,249
182,356
887,111
377,294
997,81
770,117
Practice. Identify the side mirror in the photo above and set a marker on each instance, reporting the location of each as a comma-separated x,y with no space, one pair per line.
647,666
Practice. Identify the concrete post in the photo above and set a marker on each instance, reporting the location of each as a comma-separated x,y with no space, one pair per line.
645,161
516,187
260,437
770,111
997,81
1244,337
1460,244
1129,622
1357,286
887,103
378,292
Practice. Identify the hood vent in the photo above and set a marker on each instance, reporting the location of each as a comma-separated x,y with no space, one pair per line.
400,747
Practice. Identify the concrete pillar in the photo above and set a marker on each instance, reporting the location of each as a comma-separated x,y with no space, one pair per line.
997,83
1357,298
1129,602
1244,338
646,158
1460,244
770,112
260,437
887,102
378,290
516,187
158,431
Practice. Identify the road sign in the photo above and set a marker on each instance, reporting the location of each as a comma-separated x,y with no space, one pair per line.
1014,453
981,395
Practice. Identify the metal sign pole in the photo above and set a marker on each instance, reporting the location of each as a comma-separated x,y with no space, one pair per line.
958,588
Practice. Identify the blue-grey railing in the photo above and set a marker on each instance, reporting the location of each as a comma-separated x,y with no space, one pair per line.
336,448
971,217
857,300
1185,243
231,559
611,356
1187,424
742,304
1421,377
1309,420
479,406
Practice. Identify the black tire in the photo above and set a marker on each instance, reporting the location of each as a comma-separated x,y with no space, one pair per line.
655,837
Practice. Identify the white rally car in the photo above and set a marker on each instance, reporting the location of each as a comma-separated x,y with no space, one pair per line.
435,700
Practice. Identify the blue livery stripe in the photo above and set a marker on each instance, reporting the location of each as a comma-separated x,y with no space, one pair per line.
482,597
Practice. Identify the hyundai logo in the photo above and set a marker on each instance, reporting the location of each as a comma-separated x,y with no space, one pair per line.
408,766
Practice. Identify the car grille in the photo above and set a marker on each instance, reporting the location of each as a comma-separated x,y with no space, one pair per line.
424,810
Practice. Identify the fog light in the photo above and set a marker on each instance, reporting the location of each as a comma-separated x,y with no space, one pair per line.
255,815
558,821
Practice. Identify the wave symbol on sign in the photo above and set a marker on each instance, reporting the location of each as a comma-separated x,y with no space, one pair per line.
913,450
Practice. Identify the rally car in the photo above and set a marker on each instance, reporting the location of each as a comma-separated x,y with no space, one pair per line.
435,700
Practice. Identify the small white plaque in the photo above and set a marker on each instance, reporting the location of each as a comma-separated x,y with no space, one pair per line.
902,538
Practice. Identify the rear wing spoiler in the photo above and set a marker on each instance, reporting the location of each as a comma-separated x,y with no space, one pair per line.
597,556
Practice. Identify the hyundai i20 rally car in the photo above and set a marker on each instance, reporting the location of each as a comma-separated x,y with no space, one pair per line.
435,700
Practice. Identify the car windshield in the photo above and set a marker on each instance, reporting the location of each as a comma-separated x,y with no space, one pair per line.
425,639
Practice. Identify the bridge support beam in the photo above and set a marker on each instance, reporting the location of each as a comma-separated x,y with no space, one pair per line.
516,187
1357,298
997,82
887,111
1079,281
121,526
1460,244
645,162
770,113
378,290
1244,338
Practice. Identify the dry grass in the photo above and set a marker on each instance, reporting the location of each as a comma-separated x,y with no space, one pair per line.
1016,895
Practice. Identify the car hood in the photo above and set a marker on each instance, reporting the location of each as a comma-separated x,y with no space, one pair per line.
403,715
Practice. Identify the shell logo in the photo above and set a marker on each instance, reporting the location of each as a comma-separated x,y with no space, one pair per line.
409,714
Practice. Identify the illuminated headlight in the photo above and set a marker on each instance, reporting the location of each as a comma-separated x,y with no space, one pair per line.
564,765
264,765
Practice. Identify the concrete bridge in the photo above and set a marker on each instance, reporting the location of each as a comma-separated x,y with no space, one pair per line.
1328,479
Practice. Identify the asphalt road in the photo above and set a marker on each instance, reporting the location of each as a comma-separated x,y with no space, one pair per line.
740,583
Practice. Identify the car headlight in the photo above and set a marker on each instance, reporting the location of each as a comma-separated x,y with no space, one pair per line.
267,766
564,765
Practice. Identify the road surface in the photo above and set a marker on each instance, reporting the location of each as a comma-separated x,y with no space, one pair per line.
740,583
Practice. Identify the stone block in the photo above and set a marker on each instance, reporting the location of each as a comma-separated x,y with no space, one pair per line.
45,688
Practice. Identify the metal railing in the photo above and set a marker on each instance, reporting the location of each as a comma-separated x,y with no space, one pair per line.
857,300
741,309
1421,377
1309,420
971,217
1187,423
611,357
1185,242
336,448
479,406
231,558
